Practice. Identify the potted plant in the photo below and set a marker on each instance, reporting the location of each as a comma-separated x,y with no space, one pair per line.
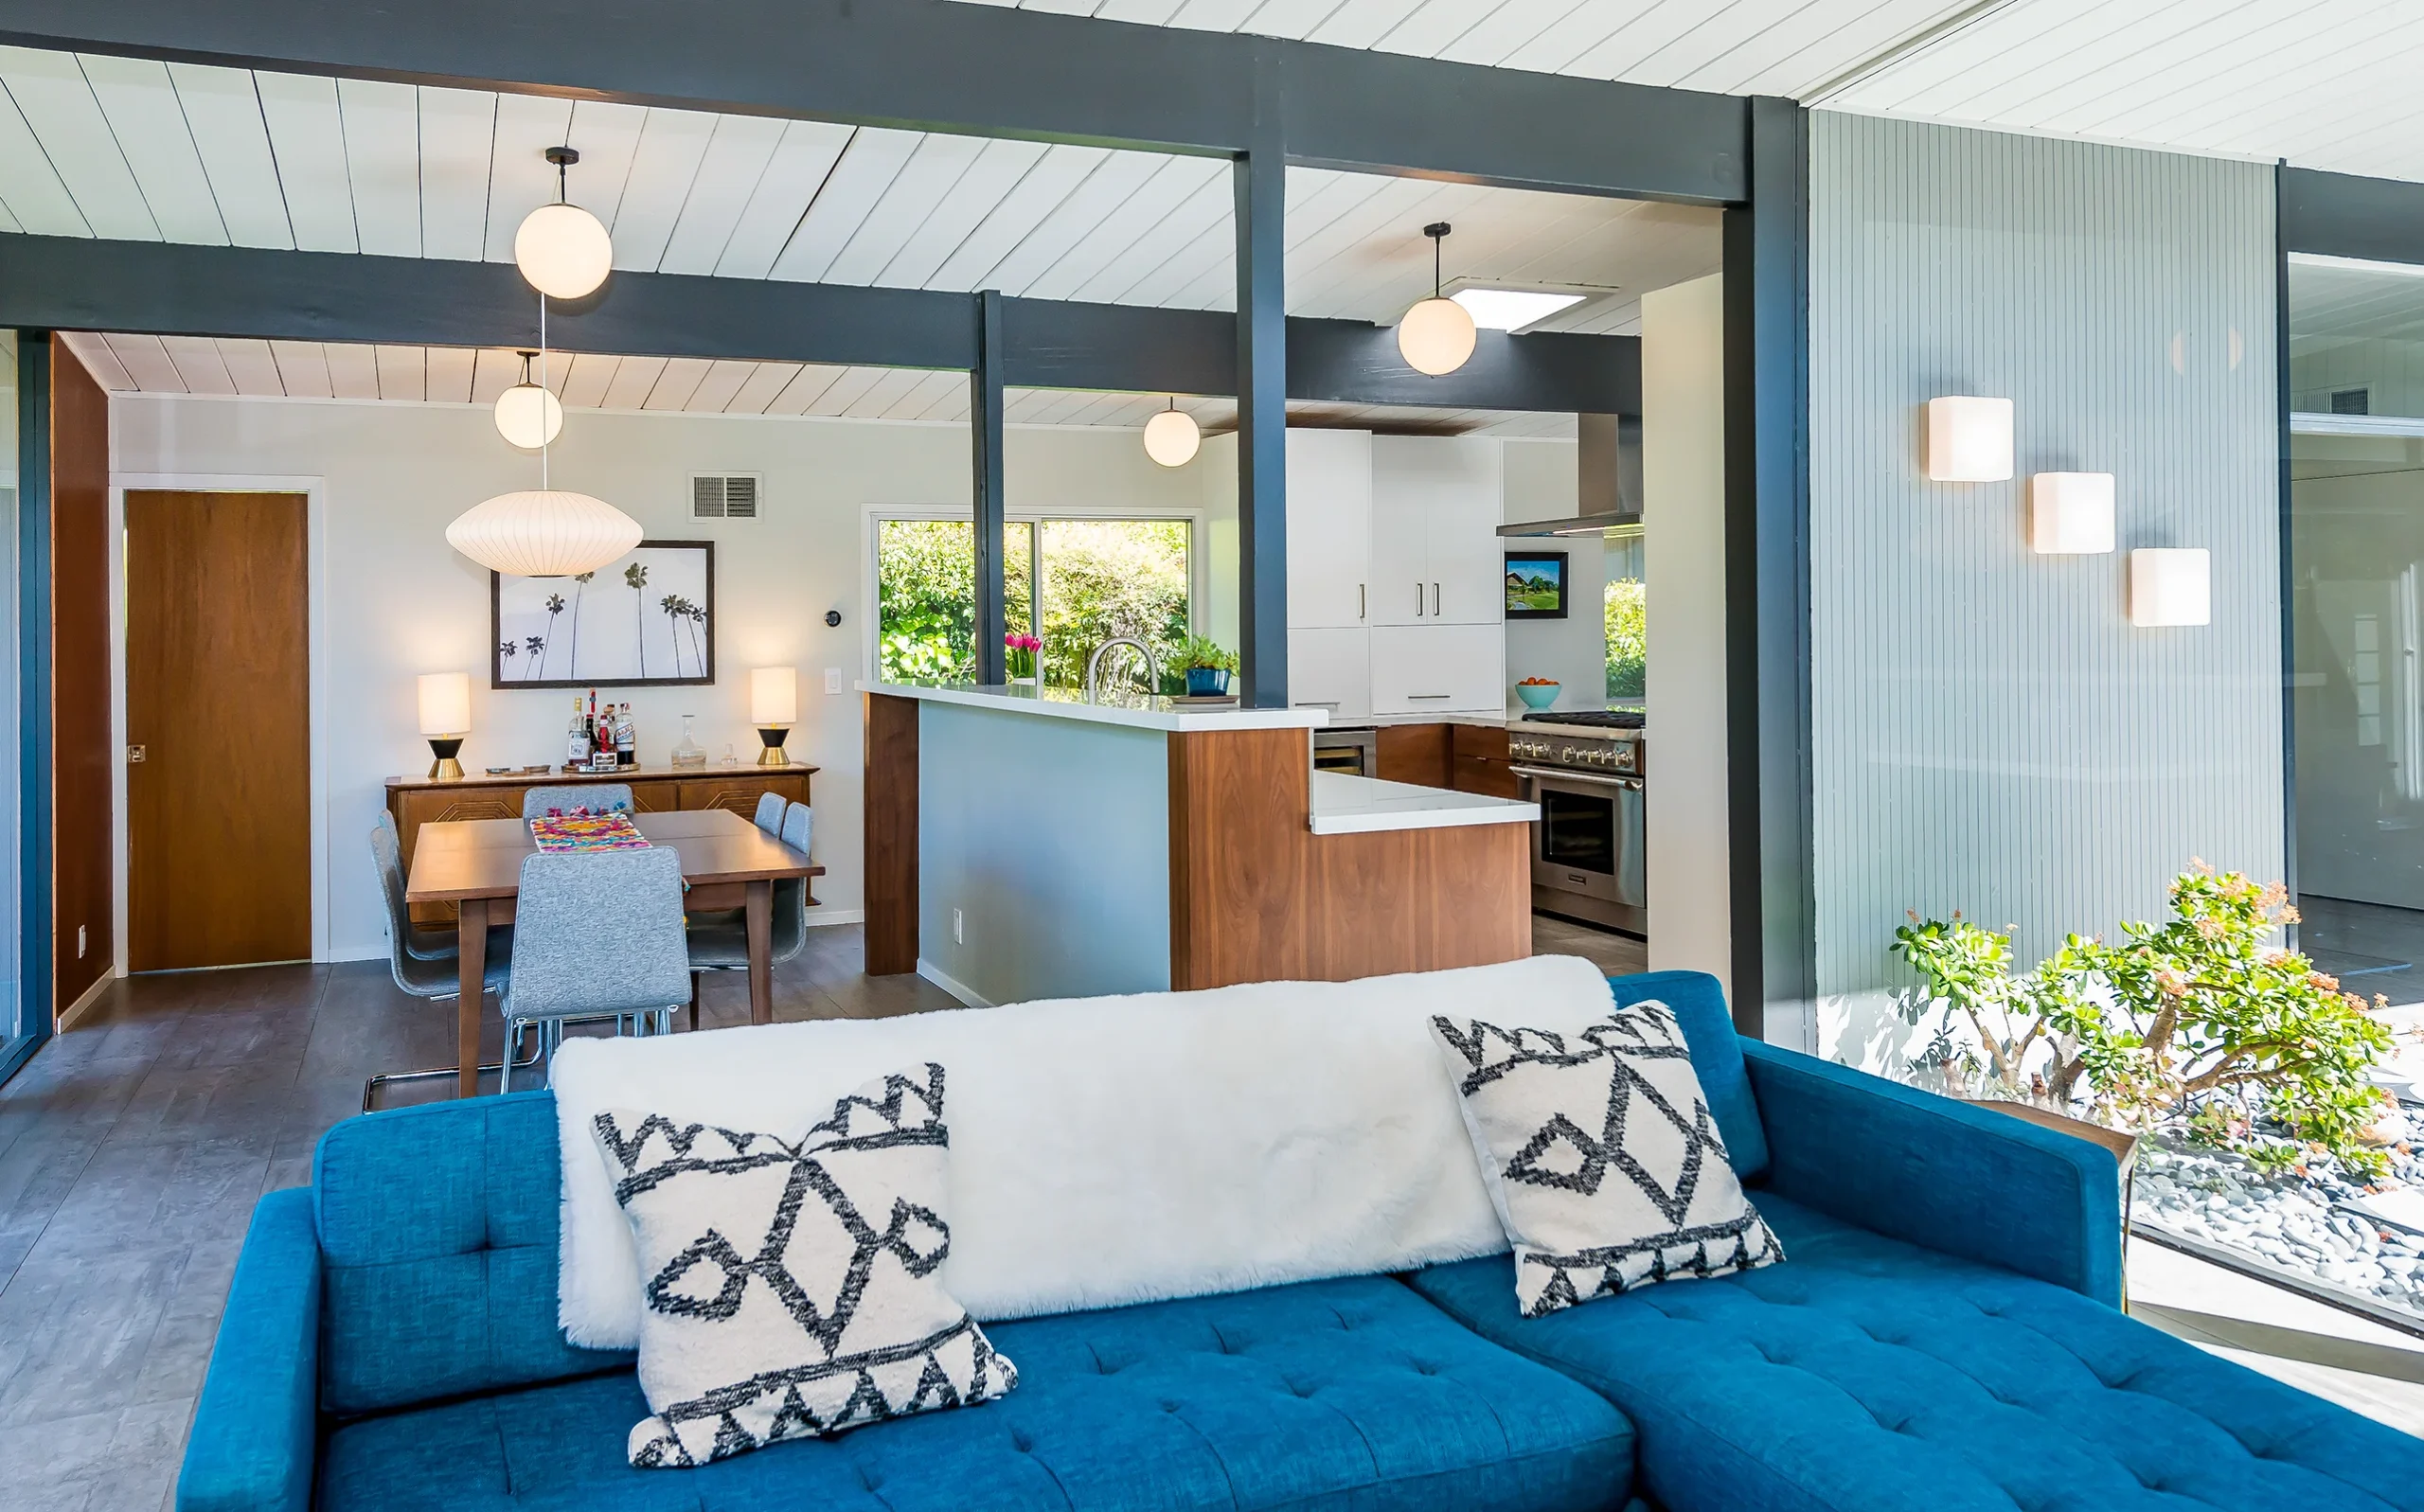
1208,668
1018,655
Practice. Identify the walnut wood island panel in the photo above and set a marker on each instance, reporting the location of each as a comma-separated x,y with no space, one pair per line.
1023,845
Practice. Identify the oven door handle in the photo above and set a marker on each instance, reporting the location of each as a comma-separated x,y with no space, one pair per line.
1556,774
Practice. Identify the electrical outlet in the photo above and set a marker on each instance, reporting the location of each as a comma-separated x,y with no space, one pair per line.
79,942
832,680
958,929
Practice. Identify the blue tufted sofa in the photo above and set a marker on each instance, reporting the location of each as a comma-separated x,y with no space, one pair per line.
1941,1338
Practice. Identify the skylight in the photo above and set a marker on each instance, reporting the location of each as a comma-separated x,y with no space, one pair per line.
1512,309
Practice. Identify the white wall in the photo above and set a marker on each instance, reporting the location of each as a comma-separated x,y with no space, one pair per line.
1683,434
399,602
1540,482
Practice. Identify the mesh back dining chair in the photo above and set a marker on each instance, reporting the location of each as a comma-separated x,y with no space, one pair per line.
769,812
598,936
425,962
598,797
719,941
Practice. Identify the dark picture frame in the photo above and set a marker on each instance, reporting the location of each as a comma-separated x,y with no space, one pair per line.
1533,576
541,617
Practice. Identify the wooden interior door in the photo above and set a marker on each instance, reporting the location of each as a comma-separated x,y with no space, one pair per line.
217,705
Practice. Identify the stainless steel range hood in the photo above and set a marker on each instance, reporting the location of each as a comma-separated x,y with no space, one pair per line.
1608,478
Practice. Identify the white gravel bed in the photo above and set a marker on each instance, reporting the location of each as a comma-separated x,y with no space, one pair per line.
2296,1222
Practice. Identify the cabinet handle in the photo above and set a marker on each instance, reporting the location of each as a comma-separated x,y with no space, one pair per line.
1431,695
1418,600
1363,609
1434,600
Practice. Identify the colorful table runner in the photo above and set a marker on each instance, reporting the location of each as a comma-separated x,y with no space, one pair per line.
583,830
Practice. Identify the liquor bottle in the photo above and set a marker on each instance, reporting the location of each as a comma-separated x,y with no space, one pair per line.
627,739
576,739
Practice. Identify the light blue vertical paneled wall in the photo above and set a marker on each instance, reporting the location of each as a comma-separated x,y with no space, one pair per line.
1991,733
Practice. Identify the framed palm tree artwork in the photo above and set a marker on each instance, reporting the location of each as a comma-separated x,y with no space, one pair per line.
645,620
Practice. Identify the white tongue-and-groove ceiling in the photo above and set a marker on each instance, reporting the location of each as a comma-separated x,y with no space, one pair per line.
2325,84
138,150
458,375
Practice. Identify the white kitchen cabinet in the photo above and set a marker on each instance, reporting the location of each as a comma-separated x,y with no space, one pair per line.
1332,669
1439,670
1330,528
1436,557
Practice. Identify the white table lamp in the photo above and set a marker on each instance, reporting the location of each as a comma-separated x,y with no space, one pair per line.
773,708
445,719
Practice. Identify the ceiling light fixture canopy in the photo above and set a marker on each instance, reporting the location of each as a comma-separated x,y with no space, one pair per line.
561,249
1171,436
529,415
1436,335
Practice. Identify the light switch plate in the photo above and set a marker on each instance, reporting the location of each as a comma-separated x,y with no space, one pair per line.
832,680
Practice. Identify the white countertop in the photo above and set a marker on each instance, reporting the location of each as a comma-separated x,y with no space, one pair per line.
1344,805
1060,703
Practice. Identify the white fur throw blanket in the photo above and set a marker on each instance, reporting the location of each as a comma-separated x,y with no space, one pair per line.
1111,1150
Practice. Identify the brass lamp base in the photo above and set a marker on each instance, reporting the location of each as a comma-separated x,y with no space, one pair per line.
774,756
445,768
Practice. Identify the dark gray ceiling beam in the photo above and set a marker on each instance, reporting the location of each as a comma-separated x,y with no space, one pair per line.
68,283
2343,214
933,64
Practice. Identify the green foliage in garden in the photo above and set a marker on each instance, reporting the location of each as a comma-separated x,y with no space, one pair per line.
1103,579
1626,609
2199,1024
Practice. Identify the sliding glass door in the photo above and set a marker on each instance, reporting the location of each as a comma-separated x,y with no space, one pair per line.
25,1018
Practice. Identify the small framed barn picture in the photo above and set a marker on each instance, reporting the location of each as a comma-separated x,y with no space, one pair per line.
1535,584
645,620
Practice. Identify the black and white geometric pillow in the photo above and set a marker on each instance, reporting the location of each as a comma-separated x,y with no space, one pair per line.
789,1288
1600,1154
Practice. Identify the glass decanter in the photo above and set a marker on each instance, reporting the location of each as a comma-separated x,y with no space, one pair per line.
689,752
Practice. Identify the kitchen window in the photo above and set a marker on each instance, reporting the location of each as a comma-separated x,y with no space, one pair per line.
1101,577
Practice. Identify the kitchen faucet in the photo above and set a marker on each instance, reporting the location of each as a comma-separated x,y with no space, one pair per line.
1093,663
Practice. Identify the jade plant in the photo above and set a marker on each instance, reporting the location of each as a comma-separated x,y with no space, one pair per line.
1198,650
2201,1025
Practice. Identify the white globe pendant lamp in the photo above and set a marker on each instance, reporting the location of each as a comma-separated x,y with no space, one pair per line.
1172,437
561,248
527,415
1436,335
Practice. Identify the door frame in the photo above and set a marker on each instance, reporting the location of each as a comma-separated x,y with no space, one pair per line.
316,552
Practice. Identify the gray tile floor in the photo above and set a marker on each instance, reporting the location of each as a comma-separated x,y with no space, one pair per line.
133,1146
1616,955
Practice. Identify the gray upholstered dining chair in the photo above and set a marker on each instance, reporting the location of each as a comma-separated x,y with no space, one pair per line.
769,812
598,936
598,797
425,961
719,941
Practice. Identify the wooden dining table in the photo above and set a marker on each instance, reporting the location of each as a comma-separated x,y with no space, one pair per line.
476,863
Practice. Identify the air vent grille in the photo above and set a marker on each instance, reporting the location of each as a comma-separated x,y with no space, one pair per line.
723,497
2352,400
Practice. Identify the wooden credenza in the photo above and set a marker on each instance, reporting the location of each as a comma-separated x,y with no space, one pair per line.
417,801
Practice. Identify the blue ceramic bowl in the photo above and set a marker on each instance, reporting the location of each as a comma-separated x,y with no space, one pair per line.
1538,695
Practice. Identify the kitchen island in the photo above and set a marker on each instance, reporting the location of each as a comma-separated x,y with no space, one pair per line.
1025,844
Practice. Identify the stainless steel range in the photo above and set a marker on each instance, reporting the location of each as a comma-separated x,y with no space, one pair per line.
1585,770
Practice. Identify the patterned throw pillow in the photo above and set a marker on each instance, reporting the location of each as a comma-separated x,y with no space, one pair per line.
789,1288
1600,1153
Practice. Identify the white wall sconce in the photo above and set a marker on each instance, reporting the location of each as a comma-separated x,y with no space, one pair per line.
2171,585
2069,513
1969,439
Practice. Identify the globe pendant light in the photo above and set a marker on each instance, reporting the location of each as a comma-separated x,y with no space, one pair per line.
561,249
527,415
1436,335
543,532
1171,436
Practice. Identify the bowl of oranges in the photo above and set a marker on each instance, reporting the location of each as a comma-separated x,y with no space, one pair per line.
1538,692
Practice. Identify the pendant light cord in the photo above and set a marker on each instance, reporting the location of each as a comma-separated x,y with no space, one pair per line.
1437,243
542,380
